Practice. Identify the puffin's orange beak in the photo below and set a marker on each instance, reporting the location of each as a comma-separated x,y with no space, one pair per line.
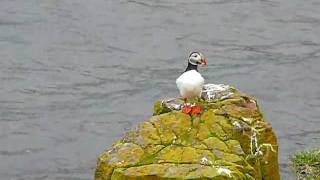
203,61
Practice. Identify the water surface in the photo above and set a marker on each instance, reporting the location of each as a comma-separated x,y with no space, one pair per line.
76,75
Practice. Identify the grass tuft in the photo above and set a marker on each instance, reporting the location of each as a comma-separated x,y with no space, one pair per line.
310,157
307,164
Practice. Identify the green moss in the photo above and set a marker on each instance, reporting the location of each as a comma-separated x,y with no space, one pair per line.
159,108
235,147
307,164
215,143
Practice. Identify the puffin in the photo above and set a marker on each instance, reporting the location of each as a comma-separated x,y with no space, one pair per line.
190,82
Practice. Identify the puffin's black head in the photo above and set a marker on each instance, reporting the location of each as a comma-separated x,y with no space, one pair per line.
195,59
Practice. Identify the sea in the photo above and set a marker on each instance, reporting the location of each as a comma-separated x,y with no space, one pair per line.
75,75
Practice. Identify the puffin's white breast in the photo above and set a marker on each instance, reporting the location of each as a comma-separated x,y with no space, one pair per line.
190,84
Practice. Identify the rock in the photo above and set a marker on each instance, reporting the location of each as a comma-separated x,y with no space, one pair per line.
229,140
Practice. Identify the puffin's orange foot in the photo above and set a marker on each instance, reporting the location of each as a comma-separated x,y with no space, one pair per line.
187,108
196,109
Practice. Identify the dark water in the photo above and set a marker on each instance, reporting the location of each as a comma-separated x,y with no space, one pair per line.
76,74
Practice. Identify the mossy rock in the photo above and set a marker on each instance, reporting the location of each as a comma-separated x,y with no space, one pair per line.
229,140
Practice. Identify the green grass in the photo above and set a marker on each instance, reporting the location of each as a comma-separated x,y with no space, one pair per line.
307,164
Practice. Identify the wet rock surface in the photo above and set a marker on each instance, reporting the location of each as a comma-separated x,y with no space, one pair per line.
229,140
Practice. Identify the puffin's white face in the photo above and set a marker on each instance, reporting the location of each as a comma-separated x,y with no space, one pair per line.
197,58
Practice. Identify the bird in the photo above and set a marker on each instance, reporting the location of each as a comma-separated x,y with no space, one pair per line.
190,82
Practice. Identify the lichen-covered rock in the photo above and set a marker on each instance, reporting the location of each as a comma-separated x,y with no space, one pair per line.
229,140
